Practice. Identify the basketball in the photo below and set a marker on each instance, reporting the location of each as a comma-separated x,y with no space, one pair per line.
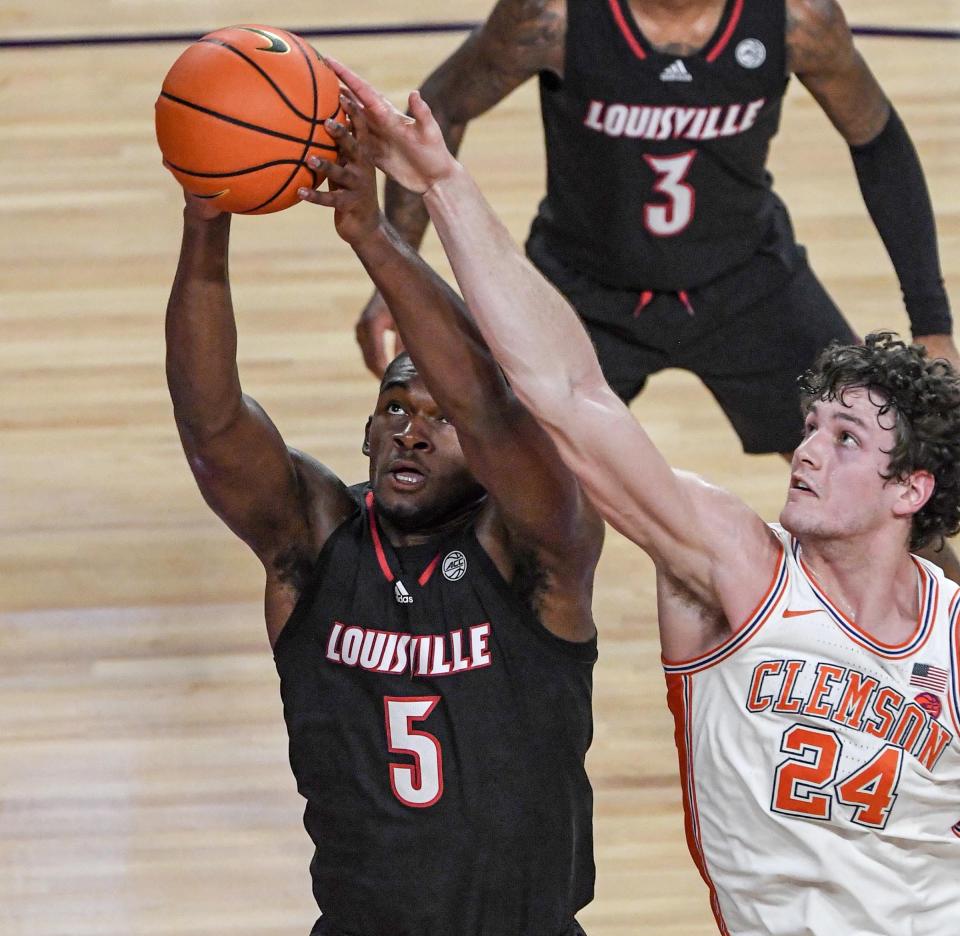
240,112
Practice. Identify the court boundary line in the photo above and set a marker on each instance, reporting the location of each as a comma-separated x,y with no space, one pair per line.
391,29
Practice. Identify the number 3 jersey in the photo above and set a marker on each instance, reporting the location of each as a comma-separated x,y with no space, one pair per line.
438,733
821,768
656,175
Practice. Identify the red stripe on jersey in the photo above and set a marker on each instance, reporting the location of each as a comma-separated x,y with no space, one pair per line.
714,53
618,15
377,544
428,571
679,693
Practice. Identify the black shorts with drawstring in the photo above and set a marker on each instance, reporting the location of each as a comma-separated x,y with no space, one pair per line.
748,336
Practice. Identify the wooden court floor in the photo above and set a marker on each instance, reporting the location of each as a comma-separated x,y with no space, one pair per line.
144,789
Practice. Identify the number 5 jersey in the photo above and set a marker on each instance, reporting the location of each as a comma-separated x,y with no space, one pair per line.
438,733
821,768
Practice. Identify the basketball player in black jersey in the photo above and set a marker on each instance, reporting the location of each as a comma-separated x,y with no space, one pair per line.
782,851
678,253
431,628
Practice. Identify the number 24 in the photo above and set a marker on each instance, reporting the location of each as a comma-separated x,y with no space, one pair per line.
870,789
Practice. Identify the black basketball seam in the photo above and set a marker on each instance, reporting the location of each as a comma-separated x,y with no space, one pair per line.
264,75
223,175
245,124
309,142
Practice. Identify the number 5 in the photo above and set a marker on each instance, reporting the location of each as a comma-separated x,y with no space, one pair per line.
673,217
420,784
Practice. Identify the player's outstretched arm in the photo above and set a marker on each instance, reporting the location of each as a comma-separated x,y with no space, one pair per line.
538,503
536,337
519,39
282,504
823,56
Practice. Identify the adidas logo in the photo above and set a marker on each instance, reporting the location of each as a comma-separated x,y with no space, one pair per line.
401,593
676,72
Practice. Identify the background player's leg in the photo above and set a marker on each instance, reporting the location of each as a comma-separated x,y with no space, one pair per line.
752,363
610,317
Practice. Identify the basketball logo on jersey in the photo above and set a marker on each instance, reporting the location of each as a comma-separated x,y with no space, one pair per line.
401,594
454,566
929,703
751,53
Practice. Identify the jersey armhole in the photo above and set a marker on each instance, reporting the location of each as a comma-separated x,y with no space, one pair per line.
745,632
305,601
581,650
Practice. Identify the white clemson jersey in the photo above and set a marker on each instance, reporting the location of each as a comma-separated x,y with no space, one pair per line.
821,768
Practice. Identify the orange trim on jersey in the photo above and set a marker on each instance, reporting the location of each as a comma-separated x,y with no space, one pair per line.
679,694
929,590
746,631
714,53
953,619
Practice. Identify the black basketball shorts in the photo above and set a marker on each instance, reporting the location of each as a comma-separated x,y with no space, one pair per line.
748,339
323,928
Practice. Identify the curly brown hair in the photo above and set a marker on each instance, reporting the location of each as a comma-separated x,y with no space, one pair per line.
924,397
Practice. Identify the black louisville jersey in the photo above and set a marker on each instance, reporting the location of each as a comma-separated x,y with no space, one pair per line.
438,733
656,173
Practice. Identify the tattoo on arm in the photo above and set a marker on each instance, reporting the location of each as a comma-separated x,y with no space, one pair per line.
519,40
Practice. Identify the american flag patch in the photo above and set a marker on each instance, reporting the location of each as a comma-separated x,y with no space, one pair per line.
929,677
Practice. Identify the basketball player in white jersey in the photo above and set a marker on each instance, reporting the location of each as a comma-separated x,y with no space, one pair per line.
812,665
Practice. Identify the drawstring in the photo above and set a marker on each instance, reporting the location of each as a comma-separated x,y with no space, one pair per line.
646,297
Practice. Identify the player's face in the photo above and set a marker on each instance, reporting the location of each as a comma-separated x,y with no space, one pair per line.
836,486
417,469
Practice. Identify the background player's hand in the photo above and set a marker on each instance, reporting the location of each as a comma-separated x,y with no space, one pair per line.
352,184
410,149
201,209
940,346
374,330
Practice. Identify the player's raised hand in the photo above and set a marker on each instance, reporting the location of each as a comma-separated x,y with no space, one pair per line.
352,183
409,148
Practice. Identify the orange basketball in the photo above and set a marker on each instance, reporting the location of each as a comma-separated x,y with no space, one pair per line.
239,113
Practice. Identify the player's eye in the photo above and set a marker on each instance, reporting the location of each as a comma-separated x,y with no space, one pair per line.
395,409
848,439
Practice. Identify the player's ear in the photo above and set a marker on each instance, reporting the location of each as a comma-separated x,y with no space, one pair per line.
915,491
365,448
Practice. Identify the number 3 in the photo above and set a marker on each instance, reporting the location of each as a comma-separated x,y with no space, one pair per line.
420,784
672,218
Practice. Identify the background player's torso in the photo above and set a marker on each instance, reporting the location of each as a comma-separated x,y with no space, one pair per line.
813,754
656,163
438,733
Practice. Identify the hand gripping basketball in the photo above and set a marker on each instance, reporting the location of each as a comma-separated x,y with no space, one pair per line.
239,114
410,149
